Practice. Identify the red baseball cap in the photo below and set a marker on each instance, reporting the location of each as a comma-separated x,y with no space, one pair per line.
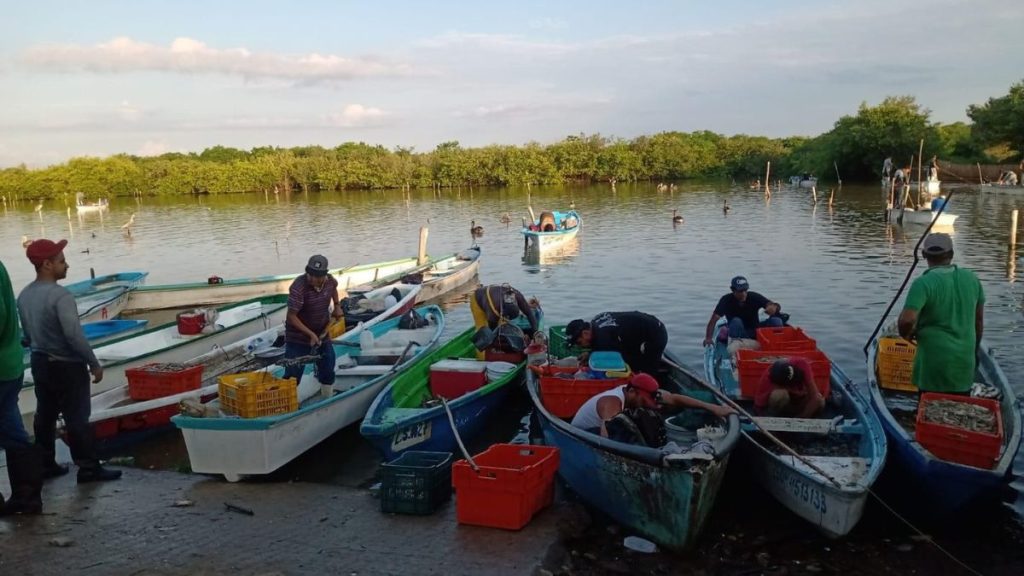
41,250
647,386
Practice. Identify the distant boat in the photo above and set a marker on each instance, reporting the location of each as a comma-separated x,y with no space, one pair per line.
104,297
551,230
803,182
923,217
82,206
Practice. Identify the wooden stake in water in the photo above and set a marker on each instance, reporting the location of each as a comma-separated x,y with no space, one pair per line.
980,179
1013,228
836,166
421,257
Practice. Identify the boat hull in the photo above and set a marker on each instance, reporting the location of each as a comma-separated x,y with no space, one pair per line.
923,217
449,274
542,241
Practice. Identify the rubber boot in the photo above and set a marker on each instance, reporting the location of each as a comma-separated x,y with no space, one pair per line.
327,390
96,473
25,471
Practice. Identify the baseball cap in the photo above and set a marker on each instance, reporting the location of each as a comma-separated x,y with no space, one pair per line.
317,265
647,386
574,329
784,373
937,244
41,250
739,283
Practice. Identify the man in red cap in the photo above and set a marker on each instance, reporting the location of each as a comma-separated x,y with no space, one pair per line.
787,389
61,363
642,391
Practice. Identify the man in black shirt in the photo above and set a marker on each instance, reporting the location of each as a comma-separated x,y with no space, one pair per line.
740,308
639,337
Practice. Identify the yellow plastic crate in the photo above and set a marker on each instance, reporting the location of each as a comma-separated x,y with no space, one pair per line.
896,364
255,394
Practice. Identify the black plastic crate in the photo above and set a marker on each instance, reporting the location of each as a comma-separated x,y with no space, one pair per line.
416,482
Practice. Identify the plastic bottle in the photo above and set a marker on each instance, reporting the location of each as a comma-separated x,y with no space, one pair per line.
366,340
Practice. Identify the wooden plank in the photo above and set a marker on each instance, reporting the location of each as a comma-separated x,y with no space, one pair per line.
807,425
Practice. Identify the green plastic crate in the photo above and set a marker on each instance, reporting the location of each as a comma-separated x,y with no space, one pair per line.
558,344
416,482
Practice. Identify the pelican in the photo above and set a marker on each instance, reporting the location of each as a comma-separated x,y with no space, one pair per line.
39,207
127,226
725,206
25,241
676,218
474,229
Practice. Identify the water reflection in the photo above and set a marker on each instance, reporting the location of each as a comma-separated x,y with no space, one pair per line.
551,256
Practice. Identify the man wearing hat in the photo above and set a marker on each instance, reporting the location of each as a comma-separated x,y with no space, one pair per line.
944,313
740,308
310,298
61,363
641,392
639,337
787,390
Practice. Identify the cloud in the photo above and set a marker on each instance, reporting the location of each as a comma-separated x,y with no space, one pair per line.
357,115
505,43
548,23
153,148
503,111
190,56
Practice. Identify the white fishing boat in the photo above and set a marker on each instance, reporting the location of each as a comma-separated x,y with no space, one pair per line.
438,276
238,447
165,343
552,230
923,217
103,304
82,206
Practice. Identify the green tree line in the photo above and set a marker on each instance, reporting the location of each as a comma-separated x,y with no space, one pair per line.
855,146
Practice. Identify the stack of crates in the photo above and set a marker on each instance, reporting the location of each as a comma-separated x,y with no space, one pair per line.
779,343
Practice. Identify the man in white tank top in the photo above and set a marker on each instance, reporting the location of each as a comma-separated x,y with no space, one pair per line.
642,390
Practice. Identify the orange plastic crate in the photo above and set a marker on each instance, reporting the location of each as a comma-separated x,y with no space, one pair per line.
751,364
784,338
896,364
564,396
255,394
157,380
958,445
514,482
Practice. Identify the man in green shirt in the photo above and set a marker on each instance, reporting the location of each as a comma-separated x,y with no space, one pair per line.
944,313
24,463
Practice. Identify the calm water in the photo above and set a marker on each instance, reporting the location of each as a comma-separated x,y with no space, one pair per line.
833,269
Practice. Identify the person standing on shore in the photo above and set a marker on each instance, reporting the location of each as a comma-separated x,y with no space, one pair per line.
24,465
61,363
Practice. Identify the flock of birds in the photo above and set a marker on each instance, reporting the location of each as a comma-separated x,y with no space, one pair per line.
126,228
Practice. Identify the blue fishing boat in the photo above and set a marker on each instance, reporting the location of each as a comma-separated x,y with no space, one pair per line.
658,493
552,230
127,280
846,442
945,486
406,415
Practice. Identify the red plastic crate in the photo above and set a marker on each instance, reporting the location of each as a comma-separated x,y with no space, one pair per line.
751,364
958,445
564,396
513,483
785,338
147,382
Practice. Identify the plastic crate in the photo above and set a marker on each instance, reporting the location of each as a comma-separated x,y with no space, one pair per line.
751,364
959,445
500,356
157,380
416,482
514,482
896,364
558,344
784,338
255,394
563,397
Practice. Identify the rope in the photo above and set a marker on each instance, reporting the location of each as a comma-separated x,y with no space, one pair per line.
455,431
906,279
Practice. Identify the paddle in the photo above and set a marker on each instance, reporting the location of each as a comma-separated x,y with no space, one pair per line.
729,402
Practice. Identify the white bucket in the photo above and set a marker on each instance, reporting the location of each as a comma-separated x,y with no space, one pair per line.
497,370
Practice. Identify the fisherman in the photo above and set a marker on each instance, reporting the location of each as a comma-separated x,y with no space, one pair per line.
887,167
944,313
639,337
787,389
498,303
740,308
933,170
310,298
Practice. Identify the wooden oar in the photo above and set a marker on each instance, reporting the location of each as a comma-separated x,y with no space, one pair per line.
729,402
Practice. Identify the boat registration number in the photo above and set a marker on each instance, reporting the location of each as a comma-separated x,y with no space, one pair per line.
411,436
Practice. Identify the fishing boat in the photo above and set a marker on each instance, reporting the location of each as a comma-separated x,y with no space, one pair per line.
99,283
945,486
551,230
661,494
217,291
379,304
440,276
846,442
803,181
104,297
238,447
405,415
922,217
82,206
165,343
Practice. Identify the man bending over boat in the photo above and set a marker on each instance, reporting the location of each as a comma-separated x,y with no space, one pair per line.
641,392
498,303
740,308
639,337
945,313
787,390
310,298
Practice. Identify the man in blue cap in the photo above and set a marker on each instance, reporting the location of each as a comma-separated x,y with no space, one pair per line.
740,308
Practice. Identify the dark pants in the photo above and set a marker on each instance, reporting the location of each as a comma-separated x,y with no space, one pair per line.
324,366
647,358
12,431
63,388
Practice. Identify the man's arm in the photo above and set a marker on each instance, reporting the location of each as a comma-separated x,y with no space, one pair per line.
907,324
71,326
710,328
526,309
294,321
607,408
684,401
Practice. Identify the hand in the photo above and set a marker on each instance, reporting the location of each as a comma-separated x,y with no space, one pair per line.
772,308
707,342
97,374
314,340
337,313
721,411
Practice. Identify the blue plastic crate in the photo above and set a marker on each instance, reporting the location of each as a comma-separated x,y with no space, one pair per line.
607,361
416,482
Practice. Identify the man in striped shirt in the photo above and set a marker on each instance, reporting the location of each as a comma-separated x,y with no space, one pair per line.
309,312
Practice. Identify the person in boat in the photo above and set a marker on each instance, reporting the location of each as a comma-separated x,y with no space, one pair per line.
640,338
944,313
887,167
498,303
24,462
787,390
740,308
310,300
62,361
547,222
900,177
933,170
642,391
1008,178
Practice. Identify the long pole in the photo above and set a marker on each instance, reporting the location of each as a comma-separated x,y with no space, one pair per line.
836,166
1013,228
980,179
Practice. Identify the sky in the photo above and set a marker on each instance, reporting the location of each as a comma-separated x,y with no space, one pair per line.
147,77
